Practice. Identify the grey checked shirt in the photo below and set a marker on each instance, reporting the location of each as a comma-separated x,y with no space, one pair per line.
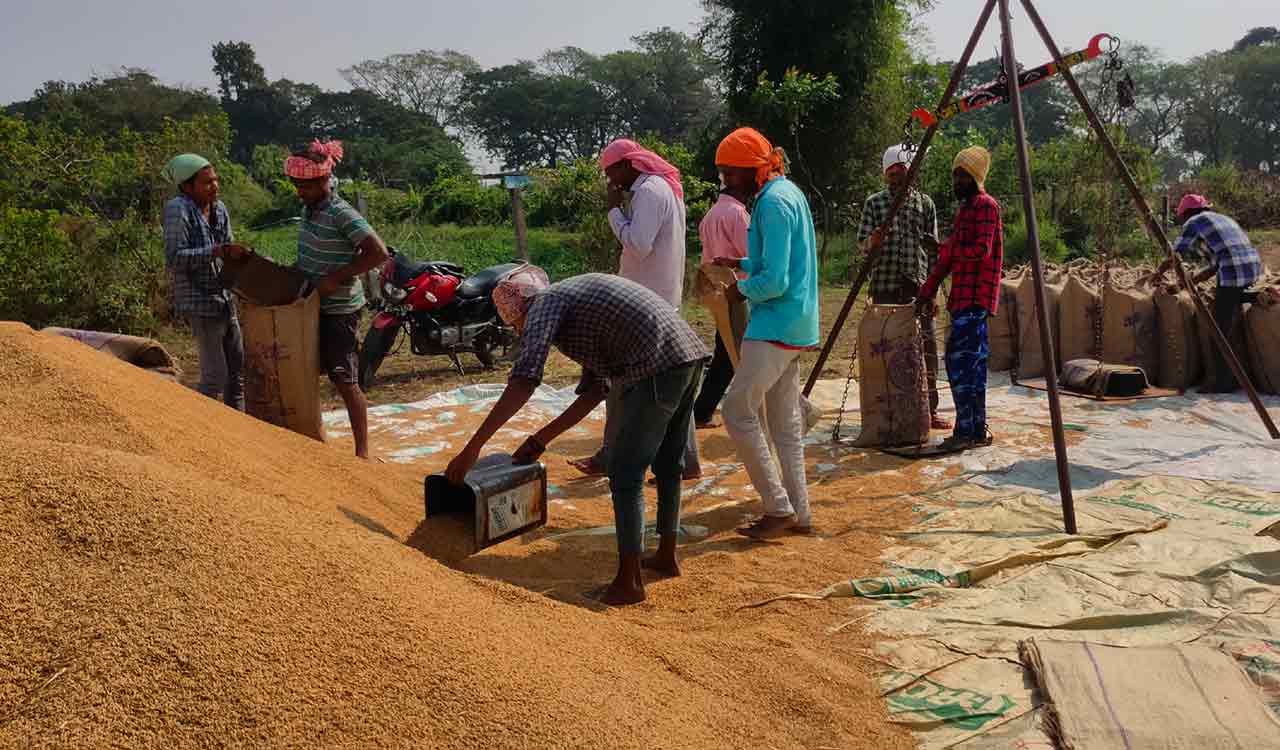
902,257
613,327
189,240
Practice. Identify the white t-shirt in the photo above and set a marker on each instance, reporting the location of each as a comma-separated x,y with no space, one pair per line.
653,238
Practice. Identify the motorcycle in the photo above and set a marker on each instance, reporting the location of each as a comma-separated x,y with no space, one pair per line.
445,312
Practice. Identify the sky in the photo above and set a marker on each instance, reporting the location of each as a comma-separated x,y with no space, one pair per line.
308,41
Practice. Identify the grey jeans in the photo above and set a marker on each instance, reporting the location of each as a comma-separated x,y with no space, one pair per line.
221,358
658,412
613,426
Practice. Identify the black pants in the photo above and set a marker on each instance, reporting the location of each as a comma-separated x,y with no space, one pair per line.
906,295
719,375
1228,304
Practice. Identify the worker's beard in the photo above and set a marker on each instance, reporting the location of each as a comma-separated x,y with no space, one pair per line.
966,191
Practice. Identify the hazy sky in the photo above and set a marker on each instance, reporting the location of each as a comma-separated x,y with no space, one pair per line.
307,41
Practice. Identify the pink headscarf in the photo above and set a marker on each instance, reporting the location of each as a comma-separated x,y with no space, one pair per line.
1190,202
644,161
515,293
316,163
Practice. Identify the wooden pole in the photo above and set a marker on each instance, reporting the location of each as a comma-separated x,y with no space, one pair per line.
916,162
1157,230
517,217
1037,269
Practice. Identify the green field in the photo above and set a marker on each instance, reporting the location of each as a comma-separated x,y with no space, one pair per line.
471,247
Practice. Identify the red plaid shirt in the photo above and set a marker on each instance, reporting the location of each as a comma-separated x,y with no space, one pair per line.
973,256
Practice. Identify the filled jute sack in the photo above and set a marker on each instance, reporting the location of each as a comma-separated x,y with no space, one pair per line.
1181,360
1262,329
282,364
895,401
1032,359
1002,328
145,353
1208,346
1079,319
1129,332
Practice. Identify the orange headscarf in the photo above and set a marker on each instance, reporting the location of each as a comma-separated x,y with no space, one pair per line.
746,147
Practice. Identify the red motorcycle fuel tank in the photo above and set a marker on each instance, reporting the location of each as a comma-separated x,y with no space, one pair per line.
431,291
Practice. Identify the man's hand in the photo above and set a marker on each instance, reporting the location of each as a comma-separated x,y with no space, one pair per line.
875,240
327,286
930,243
734,263
925,307
461,464
615,197
529,451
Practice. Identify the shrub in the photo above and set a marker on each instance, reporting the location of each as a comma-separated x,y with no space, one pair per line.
76,272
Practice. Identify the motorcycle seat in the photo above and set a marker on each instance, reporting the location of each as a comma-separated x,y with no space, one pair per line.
406,269
483,283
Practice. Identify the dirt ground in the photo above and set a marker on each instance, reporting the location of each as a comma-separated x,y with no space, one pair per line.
405,377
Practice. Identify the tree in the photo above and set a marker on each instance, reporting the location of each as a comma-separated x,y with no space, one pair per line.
1262,35
131,99
427,82
1256,83
530,118
236,66
1209,116
851,41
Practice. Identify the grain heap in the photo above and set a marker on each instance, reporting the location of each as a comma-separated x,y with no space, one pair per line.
176,574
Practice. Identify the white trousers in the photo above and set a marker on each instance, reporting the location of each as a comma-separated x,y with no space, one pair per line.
769,375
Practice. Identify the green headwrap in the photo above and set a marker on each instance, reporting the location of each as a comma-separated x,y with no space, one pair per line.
183,167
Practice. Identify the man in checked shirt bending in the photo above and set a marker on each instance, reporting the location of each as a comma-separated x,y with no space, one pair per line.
973,256
626,337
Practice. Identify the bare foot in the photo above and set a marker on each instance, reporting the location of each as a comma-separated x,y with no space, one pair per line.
588,466
621,594
772,527
662,565
710,424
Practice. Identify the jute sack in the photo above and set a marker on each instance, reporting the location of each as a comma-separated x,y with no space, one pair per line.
1079,320
895,401
1181,362
282,364
1002,328
1129,332
1032,359
1262,328
145,353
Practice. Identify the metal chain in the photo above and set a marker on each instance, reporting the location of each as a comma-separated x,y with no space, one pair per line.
844,401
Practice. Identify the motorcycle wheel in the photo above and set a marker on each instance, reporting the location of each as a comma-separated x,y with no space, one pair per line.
377,343
486,350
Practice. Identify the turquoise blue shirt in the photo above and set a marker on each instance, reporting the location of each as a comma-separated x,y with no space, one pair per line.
781,267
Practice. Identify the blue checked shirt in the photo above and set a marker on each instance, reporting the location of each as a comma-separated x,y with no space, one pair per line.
189,240
613,327
1221,241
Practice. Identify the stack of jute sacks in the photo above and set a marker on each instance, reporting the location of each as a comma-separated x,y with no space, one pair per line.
1111,314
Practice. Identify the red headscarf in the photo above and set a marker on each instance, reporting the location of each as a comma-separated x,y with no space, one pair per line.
644,161
746,147
316,163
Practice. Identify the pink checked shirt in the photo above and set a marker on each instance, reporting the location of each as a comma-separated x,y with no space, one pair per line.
724,229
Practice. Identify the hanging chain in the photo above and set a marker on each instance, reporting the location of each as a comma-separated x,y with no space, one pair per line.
844,401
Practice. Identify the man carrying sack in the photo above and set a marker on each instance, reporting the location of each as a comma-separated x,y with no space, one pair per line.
723,232
619,330
782,287
904,260
1232,258
973,256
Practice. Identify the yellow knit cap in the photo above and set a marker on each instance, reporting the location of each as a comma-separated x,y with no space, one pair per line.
975,160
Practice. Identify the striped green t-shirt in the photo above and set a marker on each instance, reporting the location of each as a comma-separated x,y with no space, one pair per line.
329,240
